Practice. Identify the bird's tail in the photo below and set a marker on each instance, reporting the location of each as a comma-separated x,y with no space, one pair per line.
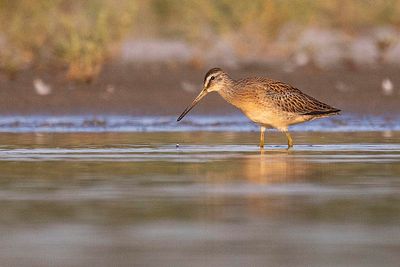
324,113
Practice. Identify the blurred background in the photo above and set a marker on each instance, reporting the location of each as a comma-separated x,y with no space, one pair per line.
137,57
95,170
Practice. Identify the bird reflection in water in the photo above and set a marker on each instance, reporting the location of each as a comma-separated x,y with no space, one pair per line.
247,185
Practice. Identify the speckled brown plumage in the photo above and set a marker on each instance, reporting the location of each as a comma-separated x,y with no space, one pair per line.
284,96
267,102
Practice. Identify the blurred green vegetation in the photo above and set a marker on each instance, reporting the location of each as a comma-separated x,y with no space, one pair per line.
265,18
81,35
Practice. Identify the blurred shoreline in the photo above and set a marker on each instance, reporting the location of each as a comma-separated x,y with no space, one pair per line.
139,89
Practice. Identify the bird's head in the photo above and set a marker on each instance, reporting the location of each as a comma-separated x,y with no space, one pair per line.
214,80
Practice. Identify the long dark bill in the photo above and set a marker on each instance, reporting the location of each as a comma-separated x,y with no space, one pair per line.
195,101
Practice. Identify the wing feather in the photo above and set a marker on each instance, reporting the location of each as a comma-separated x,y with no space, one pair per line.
287,98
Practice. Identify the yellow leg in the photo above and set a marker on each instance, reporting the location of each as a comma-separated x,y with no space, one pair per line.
262,131
289,139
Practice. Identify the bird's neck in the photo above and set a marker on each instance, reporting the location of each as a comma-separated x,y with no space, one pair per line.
227,91
230,93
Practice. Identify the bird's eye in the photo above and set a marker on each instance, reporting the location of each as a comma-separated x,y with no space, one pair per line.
212,78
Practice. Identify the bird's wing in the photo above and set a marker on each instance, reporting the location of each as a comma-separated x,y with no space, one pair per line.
290,99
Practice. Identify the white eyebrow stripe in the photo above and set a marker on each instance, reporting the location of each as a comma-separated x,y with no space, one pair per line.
207,81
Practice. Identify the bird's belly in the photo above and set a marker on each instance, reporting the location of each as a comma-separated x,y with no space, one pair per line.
265,118
271,118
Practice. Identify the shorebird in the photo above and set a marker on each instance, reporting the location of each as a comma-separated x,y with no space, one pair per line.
268,103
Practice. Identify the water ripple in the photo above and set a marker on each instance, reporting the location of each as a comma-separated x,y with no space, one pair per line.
235,123
191,153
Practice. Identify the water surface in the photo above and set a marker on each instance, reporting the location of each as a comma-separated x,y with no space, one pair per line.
348,122
199,199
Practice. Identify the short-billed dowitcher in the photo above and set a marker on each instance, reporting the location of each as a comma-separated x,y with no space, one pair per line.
267,102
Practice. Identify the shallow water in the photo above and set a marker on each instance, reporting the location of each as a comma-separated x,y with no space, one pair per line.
349,122
139,199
